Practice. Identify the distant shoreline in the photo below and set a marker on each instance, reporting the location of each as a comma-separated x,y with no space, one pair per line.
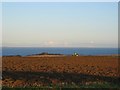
53,55
59,51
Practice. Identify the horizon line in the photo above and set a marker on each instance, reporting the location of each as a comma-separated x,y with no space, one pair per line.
50,47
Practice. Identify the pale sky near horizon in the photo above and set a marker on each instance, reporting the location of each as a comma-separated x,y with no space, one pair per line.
60,24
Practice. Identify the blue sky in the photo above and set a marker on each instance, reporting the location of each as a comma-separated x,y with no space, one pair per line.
60,24
60,0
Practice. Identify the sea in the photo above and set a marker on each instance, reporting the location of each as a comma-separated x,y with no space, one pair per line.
24,51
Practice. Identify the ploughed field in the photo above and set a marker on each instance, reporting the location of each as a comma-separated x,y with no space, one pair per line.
67,71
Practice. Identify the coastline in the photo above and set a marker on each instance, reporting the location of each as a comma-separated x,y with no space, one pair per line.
25,51
55,55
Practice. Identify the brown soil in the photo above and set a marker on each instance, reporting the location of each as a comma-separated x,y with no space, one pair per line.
43,71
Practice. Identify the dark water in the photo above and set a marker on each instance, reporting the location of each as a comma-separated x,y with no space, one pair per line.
67,51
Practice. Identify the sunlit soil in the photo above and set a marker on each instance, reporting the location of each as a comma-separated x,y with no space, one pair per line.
59,71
